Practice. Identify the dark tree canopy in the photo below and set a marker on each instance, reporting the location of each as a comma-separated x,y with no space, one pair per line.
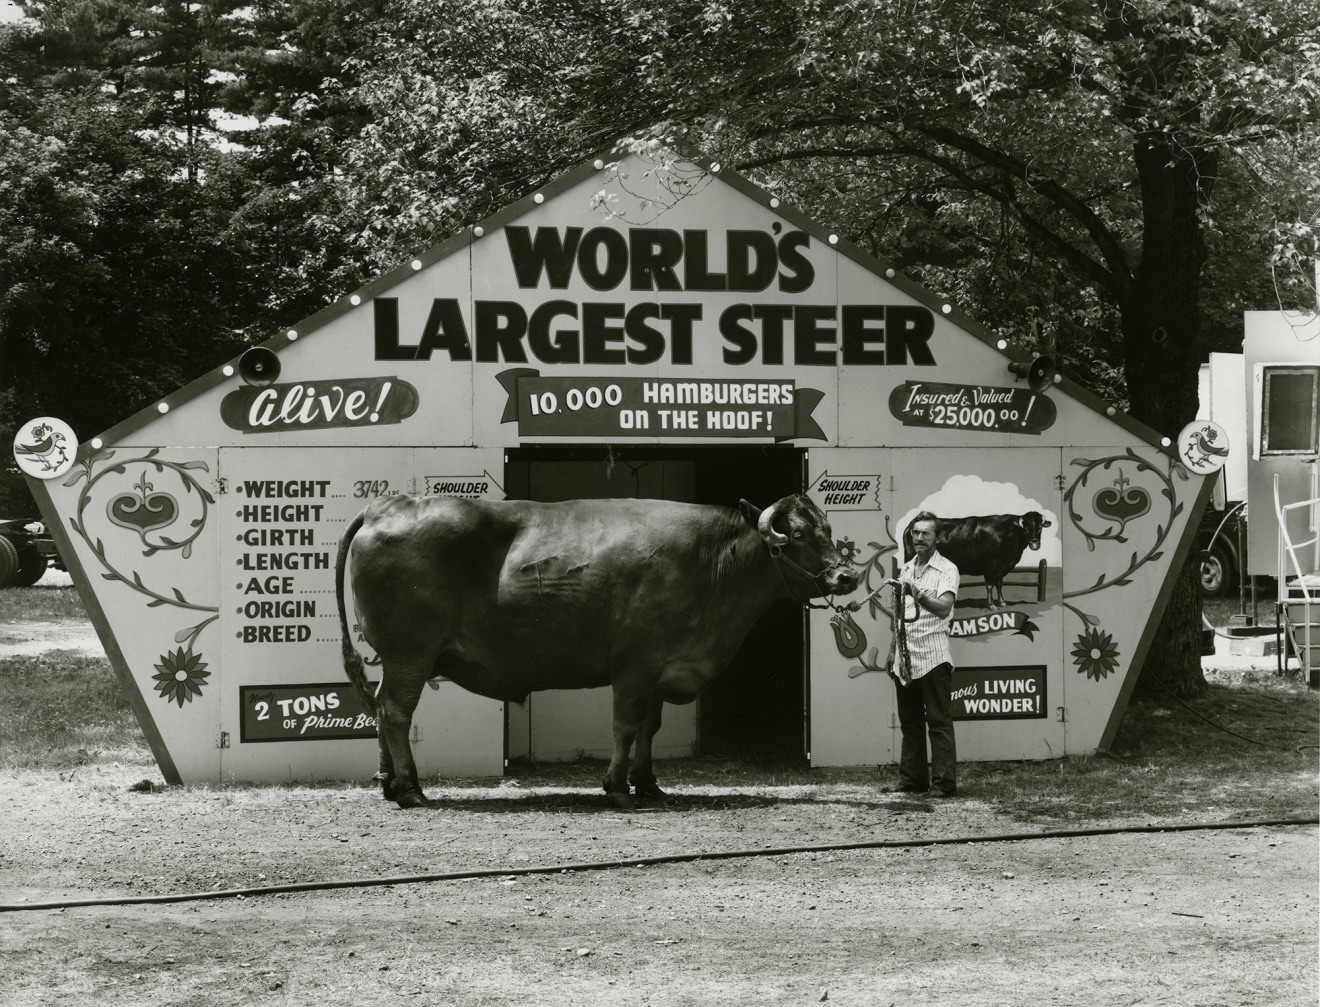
140,242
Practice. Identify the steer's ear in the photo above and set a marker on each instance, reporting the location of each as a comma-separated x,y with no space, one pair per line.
750,512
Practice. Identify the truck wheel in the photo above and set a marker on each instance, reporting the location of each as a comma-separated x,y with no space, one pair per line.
31,567
9,564
1217,574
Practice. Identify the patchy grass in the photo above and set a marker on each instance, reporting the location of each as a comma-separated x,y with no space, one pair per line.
64,709
1246,749
40,604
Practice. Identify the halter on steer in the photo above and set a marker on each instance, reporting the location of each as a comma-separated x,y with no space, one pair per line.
776,540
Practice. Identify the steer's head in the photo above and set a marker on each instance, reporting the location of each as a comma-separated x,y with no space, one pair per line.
1032,522
799,536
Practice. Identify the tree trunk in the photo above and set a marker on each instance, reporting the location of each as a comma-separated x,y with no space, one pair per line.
1163,349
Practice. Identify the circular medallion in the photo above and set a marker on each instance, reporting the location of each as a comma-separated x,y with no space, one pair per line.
1203,447
45,447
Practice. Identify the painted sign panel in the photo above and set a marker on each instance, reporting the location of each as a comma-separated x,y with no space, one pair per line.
1123,511
280,639
847,492
700,407
971,407
1000,521
137,529
336,403
1000,693
306,712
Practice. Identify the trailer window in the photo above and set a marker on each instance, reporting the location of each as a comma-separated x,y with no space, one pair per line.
1288,410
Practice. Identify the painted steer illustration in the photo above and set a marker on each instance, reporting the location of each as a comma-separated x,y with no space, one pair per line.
988,546
650,597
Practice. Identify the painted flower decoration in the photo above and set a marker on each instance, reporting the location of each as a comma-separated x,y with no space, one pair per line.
180,676
848,550
848,636
1095,654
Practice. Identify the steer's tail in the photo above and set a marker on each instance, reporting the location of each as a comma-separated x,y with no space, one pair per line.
352,659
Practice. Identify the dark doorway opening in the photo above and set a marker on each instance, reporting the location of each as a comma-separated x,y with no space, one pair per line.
758,706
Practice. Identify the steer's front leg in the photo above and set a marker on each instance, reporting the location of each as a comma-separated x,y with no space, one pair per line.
629,710
643,773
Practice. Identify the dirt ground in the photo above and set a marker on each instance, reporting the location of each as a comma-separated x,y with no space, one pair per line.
1218,917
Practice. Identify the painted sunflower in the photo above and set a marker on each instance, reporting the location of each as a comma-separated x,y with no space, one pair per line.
1095,654
180,676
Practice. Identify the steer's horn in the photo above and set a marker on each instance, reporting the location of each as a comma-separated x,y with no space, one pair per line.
765,525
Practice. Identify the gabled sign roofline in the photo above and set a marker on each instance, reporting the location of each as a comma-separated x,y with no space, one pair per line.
457,242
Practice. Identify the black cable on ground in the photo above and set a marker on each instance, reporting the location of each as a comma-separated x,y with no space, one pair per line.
672,858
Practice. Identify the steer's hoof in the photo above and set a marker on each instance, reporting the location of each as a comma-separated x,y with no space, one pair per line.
650,792
621,799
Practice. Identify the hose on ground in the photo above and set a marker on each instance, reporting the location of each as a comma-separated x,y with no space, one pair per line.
671,858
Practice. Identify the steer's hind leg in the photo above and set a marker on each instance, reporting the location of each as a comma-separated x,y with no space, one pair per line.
384,766
400,688
643,773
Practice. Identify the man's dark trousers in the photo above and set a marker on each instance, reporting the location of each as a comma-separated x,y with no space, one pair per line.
926,706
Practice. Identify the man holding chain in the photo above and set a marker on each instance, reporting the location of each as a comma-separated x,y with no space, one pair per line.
929,588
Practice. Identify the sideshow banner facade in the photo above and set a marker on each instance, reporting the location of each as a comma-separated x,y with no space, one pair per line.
642,302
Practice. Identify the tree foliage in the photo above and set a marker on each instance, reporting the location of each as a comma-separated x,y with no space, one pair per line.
144,239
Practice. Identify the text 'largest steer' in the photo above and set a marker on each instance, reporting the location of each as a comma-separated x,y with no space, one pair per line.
649,597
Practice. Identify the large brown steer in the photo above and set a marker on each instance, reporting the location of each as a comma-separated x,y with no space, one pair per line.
650,597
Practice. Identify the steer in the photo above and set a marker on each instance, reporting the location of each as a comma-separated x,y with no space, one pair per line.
988,546
650,597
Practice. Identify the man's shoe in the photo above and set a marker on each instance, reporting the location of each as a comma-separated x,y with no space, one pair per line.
904,788
951,792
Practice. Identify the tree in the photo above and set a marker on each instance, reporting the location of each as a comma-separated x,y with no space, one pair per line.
294,83
113,288
1057,168
138,248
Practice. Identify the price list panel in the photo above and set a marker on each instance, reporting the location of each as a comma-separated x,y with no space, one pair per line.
287,700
